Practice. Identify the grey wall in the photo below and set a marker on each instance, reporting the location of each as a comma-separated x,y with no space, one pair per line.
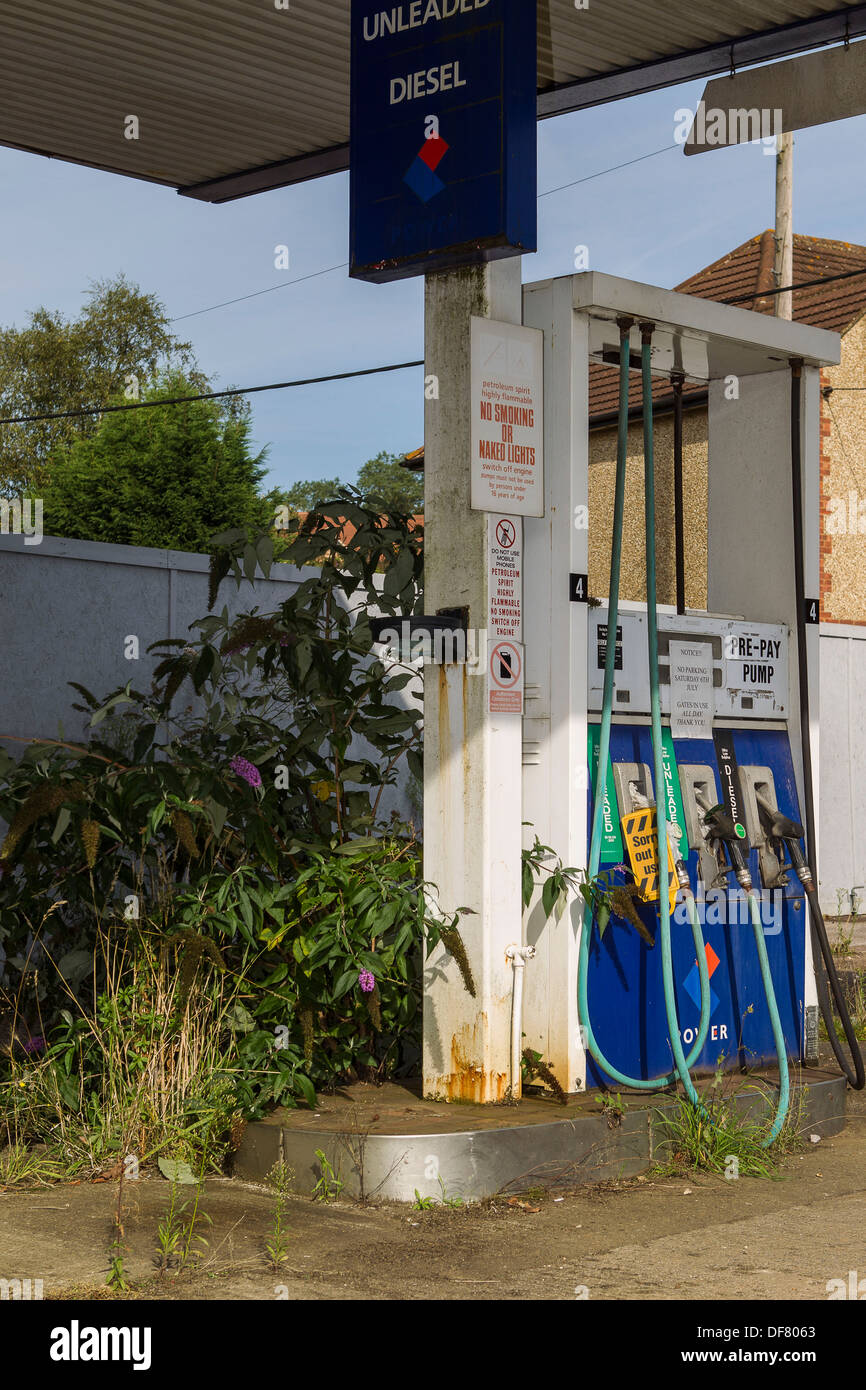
68,606
842,781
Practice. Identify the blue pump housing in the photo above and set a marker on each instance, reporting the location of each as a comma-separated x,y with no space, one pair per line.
625,984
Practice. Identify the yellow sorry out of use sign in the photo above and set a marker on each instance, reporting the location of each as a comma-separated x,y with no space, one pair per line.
639,829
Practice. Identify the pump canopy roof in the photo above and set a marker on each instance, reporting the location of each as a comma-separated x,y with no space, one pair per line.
233,97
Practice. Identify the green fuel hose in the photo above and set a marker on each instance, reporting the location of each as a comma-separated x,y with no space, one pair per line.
592,1047
680,1059
778,1035
722,828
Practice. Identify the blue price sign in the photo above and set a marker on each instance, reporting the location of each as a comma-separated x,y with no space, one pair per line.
443,153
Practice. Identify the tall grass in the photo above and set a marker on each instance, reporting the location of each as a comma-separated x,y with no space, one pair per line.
707,1139
144,1070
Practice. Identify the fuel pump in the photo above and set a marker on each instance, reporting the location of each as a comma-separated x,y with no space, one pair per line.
682,1062
681,710
719,826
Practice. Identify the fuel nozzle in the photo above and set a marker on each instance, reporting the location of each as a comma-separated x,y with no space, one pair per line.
641,802
789,832
721,828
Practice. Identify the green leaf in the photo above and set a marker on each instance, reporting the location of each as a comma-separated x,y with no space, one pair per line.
265,554
306,1088
75,966
528,883
123,698
217,814
240,1018
228,538
549,896
250,562
345,983
176,1170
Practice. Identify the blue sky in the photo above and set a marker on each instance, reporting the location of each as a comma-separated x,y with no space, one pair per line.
657,221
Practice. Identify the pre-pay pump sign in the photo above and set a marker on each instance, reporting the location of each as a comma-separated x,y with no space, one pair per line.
443,162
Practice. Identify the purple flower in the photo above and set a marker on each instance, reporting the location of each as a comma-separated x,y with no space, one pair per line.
35,1044
247,770
367,981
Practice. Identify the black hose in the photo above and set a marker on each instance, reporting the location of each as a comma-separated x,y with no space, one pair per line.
820,943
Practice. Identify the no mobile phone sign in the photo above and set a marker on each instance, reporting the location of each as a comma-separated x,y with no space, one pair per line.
505,678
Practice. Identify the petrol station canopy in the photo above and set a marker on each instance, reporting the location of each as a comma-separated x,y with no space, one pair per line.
235,97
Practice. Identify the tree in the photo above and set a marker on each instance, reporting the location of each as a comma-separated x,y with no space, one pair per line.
117,344
168,477
305,496
381,479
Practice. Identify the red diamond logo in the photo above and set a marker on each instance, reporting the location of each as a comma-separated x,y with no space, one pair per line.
712,959
433,151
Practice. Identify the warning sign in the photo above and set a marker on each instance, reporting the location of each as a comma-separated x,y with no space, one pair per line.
504,572
640,830
602,648
507,406
505,678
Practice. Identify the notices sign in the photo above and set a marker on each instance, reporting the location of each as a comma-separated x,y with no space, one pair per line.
507,419
505,677
504,578
693,702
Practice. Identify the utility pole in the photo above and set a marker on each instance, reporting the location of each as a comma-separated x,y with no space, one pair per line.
783,268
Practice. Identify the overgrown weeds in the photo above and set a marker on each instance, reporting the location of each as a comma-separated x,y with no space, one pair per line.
281,1178
722,1138
145,1072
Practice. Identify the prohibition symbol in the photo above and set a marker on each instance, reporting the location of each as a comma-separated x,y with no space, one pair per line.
505,665
505,679
506,534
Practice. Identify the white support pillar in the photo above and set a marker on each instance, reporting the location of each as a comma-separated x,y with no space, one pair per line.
555,735
472,760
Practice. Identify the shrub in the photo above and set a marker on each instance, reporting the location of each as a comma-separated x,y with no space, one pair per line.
210,894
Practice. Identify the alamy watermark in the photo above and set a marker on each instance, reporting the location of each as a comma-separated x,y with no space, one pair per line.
846,516
852,1288
22,517
711,125
442,647
720,908
20,1290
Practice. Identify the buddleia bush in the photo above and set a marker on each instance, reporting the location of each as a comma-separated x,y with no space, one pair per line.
239,802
